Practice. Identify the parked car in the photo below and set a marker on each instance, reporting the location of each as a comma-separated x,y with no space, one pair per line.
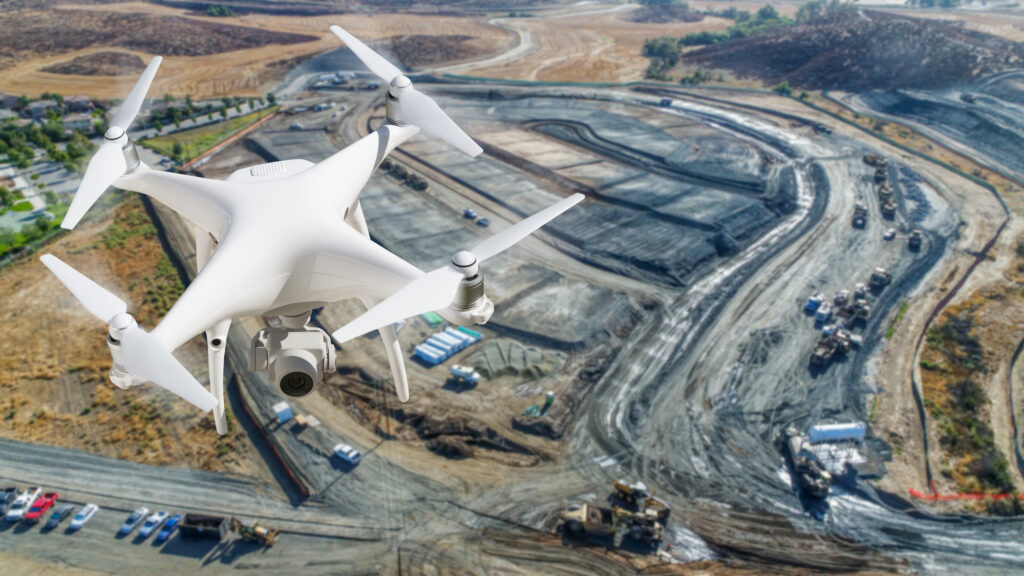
62,512
890,234
133,520
7,497
348,454
155,521
16,511
469,213
168,529
40,507
83,516
483,222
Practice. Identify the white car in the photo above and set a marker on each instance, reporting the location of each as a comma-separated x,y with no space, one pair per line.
348,454
22,503
83,516
133,520
155,521
890,234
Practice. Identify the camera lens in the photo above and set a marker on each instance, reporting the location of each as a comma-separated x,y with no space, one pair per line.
296,384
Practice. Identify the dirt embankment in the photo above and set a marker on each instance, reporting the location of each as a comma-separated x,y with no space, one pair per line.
663,14
30,34
420,50
100,64
55,390
864,50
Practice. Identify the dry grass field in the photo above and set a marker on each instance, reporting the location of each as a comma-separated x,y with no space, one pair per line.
55,390
247,69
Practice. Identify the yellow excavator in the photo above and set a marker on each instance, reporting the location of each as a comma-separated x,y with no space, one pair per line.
254,532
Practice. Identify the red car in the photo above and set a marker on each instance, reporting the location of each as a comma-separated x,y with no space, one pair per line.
40,506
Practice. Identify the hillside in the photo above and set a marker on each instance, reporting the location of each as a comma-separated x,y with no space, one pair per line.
863,50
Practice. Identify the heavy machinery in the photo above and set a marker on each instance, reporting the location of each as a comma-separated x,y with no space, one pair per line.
889,209
630,493
811,478
253,532
585,520
880,278
860,215
914,240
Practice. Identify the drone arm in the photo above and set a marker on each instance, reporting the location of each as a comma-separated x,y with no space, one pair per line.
202,201
354,165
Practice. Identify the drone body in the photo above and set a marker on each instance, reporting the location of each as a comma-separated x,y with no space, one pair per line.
279,240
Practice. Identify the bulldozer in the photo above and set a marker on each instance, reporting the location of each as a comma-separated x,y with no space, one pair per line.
254,532
586,521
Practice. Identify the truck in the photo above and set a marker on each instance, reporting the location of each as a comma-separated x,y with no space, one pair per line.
914,240
465,374
823,350
842,298
587,521
813,302
811,478
203,526
860,215
253,532
880,278
889,209
824,313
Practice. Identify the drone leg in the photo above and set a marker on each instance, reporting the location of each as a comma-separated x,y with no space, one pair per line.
216,341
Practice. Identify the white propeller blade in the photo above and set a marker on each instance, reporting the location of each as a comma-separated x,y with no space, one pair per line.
385,70
420,110
432,291
104,169
146,356
436,289
417,108
133,103
95,298
513,234
143,354
109,164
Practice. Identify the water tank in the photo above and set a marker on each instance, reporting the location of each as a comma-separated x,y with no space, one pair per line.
837,432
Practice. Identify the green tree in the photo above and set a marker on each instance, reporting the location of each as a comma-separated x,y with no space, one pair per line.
767,12
271,98
783,88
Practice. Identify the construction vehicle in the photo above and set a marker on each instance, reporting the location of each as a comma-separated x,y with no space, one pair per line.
874,160
881,174
585,520
842,298
879,279
968,98
860,215
823,350
914,240
631,493
253,532
813,302
812,479
861,308
889,209
860,291
824,313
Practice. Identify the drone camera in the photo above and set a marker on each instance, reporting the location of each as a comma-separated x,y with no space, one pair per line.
295,358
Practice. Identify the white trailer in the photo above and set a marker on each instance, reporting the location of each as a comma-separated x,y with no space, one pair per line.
852,431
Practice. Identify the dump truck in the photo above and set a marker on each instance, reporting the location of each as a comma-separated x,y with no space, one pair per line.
631,493
823,350
879,279
587,521
812,479
914,240
874,160
860,215
253,532
203,526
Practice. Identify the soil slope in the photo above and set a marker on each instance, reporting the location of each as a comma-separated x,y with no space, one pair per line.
865,51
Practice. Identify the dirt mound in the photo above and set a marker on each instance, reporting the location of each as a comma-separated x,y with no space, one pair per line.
663,14
31,33
100,64
418,50
865,50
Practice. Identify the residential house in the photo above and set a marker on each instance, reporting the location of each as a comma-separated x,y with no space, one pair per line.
80,103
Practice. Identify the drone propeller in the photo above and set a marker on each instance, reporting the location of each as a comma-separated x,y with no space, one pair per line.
436,289
415,107
143,354
109,163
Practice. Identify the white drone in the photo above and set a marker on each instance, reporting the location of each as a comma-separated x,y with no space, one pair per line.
279,240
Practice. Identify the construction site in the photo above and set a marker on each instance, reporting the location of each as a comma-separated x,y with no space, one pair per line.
736,275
